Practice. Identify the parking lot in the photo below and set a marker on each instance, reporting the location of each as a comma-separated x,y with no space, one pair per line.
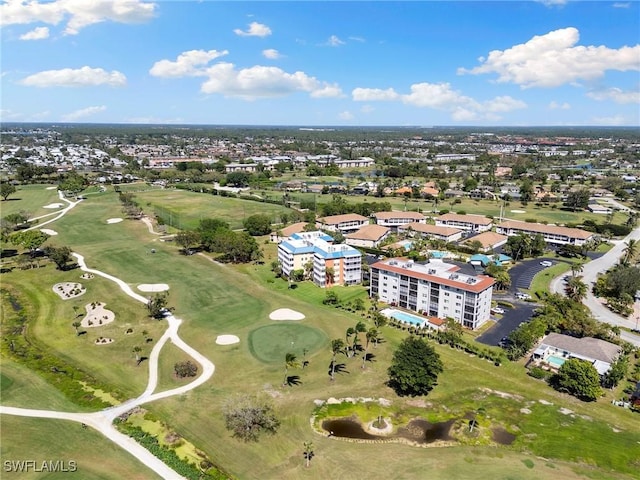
522,274
511,319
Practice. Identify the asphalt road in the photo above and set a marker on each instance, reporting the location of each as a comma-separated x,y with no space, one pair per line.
511,319
522,274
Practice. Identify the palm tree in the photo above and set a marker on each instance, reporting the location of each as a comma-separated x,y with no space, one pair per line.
576,268
337,346
308,453
632,219
379,320
290,361
137,351
350,331
330,275
76,325
630,251
372,337
359,328
576,289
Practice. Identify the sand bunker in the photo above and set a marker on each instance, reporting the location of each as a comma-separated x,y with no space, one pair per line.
103,341
114,220
87,276
286,314
51,188
48,231
518,211
153,287
67,290
54,205
227,339
97,315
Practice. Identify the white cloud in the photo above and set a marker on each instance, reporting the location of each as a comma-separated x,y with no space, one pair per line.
621,5
260,81
39,33
346,115
374,94
357,39
78,13
83,113
155,120
617,95
271,54
187,64
553,59
334,41
255,30
614,120
559,106
81,77
441,96
553,3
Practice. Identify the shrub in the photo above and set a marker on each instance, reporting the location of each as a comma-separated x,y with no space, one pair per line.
185,369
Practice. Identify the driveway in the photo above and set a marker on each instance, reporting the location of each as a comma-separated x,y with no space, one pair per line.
511,319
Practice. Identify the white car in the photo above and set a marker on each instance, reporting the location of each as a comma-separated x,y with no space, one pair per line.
497,310
546,263
523,296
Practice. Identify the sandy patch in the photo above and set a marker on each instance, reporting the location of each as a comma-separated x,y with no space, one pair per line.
518,211
54,205
286,314
153,287
544,402
526,411
114,220
48,231
51,188
87,276
103,341
97,315
227,339
565,411
67,290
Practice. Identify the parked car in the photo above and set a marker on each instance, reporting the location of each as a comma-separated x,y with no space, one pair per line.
522,296
546,263
497,310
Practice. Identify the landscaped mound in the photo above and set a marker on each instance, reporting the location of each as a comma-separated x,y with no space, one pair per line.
153,287
114,220
67,290
227,339
103,341
270,343
48,231
87,275
286,314
97,315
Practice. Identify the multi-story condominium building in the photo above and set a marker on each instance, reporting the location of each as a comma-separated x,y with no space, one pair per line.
395,219
472,223
297,250
331,264
448,234
435,289
336,265
347,223
551,233
369,236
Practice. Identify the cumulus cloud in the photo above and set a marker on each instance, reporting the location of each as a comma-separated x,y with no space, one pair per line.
441,96
255,30
77,13
559,106
260,81
617,95
83,113
39,33
188,64
81,77
553,59
271,54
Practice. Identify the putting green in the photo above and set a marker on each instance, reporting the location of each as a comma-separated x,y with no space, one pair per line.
271,343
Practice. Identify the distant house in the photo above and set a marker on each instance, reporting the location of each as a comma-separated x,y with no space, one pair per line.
347,223
395,219
368,236
240,167
556,348
448,234
285,232
473,223
597,208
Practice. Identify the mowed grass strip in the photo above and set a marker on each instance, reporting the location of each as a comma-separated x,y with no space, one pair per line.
271,343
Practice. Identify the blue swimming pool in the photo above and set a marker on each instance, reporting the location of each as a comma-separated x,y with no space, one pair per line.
437,254
404,316
555,361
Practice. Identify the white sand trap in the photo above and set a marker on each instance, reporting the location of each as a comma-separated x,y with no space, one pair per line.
51,188
227,339
153,287
114,220
286,314
54,205
518,211
67,290
97,315
103,341
48,231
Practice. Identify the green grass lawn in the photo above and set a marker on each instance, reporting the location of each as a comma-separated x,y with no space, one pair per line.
268,342
215,299
31,198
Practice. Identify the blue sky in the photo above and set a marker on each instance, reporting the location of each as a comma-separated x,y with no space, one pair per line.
368,63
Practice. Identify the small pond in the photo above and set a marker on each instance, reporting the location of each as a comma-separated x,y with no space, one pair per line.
501,436
418,430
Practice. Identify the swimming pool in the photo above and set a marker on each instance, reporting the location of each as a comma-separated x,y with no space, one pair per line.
555,361
437,254
404,316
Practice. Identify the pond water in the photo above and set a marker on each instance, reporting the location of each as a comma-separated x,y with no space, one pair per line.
418,430
501,436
